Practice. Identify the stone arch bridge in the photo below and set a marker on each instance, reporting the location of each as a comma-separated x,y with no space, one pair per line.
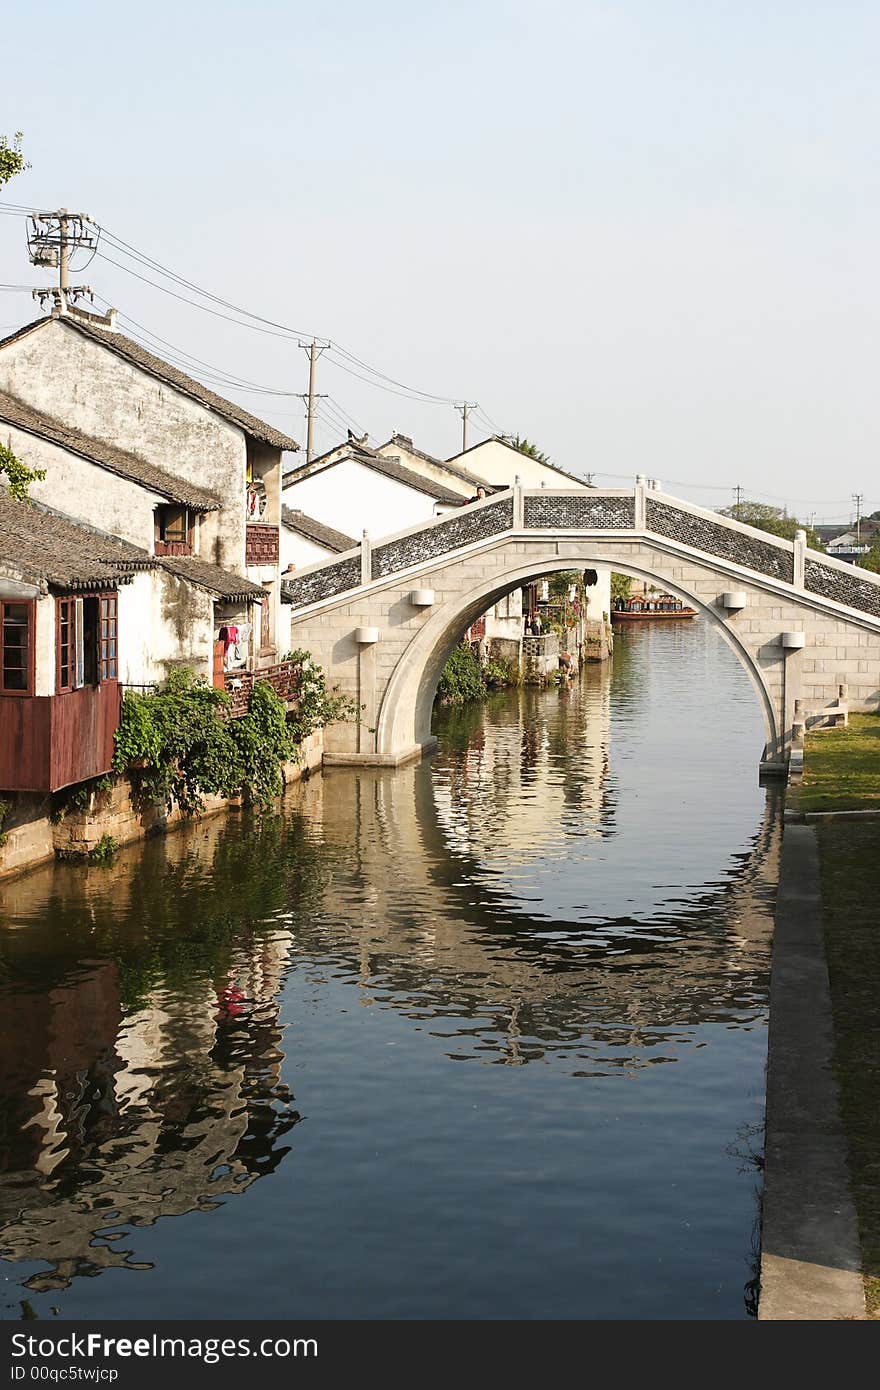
383,618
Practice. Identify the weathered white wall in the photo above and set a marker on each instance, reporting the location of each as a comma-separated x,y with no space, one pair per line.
84,491
44,682
265,462
352,498
66,375
499,464
599,597
163,622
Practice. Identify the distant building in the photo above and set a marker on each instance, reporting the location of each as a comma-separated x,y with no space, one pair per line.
354,488
499,462
305,541
849,545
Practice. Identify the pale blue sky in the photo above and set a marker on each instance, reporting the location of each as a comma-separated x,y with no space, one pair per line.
644,234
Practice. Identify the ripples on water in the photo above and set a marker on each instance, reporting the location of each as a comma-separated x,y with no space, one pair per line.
576,890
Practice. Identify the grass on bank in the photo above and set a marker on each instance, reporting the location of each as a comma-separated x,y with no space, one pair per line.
842,768
849,853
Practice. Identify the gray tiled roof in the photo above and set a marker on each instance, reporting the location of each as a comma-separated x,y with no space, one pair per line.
41,545
368,458
316,530
119,461
158,367
403,441
211,577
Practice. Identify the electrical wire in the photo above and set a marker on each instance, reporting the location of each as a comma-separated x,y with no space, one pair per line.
125,248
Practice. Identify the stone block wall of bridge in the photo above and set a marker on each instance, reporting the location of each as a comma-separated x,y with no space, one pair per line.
383,620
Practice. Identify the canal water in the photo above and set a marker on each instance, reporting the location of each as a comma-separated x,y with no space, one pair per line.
483,1037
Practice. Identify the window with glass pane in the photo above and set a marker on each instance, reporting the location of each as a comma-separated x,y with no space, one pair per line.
108,637
66,643
16,638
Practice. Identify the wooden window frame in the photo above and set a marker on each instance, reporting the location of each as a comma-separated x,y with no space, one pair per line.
31,671
108,613
78,662
69,600
162,545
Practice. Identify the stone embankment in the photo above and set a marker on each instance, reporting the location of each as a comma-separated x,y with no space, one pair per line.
34,830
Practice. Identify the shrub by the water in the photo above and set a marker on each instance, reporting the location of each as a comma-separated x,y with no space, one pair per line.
462,678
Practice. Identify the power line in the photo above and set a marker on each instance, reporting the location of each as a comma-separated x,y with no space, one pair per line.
126,248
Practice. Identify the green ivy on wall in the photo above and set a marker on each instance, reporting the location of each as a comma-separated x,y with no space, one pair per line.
182,744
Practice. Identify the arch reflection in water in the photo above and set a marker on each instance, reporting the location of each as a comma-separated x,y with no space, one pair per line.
472,908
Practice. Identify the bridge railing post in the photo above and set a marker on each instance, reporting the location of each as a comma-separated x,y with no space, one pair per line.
800,547
519,510
641,510
366,559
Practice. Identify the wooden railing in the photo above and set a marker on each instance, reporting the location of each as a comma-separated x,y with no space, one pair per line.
284,679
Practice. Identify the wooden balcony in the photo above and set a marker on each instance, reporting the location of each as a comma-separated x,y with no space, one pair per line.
283,677
52,741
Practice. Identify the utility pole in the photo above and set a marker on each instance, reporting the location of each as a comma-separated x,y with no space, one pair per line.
858,498
464,410
738,491
52,238
314,352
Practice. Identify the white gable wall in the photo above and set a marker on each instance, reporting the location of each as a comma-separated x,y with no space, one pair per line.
433,472
77,380
85,491
300,551
353,498
500,463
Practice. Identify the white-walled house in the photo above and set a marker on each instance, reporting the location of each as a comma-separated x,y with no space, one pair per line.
76,368
458,480
354,489
306,541
137,553
495,460
83,613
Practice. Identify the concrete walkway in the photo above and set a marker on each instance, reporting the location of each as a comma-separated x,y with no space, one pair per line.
810,1258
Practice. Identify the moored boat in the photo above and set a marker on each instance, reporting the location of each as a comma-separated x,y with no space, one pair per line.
650,608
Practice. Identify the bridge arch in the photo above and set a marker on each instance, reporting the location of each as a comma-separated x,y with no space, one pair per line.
805,627
405,713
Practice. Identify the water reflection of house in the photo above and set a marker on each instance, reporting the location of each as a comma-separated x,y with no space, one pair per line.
517,764
116,1116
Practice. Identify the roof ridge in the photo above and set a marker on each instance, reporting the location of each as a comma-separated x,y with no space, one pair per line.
110,456
157,366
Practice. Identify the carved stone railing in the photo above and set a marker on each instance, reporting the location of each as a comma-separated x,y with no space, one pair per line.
579,511
325,582
742,547
472,523
856,588
639,510
284,679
